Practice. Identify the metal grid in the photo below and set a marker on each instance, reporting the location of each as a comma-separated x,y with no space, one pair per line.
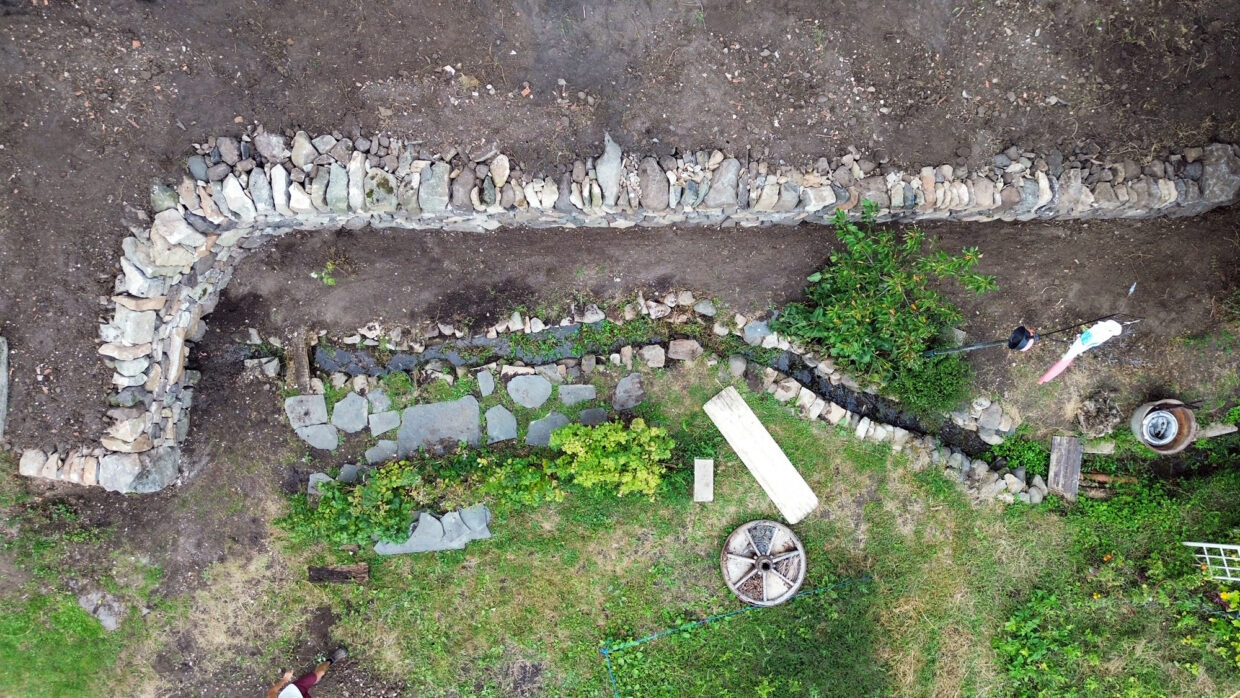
1220,561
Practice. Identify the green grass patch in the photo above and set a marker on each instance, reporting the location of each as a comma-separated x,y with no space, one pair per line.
50,647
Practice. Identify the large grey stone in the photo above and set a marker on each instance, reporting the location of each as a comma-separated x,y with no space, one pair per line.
755,332
478,519
338,189
425,536
303,153
306,410
539,433
238,201
260,191
439,426
608,169
349,474
162,467
684,349
321,436
349,414
461,186
501,425
132,327
486,382
271,146
722,192
433,190
379,400
380,190
117,471
381,452
654,185
316,479
653,355
529,391
629,392
383,422
593,416
1220,178
573,394
455,533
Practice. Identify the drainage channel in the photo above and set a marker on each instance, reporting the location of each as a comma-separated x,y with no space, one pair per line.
565,342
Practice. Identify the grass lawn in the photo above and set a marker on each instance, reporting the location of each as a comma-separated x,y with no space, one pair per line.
527,612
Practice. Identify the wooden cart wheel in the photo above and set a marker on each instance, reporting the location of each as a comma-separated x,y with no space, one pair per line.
763,563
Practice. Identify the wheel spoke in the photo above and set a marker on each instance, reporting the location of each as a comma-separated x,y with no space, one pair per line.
752,544
787,581
744,579
785,556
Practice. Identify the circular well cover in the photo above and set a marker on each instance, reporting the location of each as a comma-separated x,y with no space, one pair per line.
763,563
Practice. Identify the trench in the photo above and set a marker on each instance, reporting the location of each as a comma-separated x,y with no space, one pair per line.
567,342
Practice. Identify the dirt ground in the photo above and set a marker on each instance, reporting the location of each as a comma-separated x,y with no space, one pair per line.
98,97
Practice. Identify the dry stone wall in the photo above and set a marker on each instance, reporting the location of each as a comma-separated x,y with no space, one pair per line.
239,193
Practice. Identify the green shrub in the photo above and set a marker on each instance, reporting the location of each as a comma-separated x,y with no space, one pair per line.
629,457
1036,644
382,506
1019,451
873,306
932,386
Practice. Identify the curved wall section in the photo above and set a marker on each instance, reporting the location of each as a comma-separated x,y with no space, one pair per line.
238,194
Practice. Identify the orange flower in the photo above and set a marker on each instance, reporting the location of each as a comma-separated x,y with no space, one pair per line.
1107,557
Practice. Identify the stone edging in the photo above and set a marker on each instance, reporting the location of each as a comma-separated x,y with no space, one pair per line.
241,193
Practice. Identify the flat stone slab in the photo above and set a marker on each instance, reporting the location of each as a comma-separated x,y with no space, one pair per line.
529,391
684,349
593,416
452,531
486,383
501,425
379,400
573,394
306,410
349,414
349,474
629,392
316,479
539,433
381,452
383,422
321,436
424,536
439,426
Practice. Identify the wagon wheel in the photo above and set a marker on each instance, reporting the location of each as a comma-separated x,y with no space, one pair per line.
763,563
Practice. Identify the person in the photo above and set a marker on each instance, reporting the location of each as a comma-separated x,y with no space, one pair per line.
287,687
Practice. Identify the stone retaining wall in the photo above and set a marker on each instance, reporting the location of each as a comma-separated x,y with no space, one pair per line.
238,194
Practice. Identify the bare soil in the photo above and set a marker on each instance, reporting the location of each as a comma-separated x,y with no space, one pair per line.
98,97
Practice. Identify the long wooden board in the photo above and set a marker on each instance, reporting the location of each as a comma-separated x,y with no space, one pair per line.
1064,478
759,452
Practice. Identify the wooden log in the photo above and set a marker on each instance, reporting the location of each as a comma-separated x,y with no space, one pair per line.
340,574
1065,471
1096,492
1104,478
297,354
759,452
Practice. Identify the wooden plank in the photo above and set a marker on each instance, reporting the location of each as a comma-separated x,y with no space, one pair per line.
342,574
1065,472
703,480
759,452
297,354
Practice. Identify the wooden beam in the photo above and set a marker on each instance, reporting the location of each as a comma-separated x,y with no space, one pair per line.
759,452
703,480
341,574
297,354
1064,478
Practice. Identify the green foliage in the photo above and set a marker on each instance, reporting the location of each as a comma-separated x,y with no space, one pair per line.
1019,451
399,388
1233,415
629,458
1035,644
50,647
873,306
606,335
932,386
326,274
519,481
381,506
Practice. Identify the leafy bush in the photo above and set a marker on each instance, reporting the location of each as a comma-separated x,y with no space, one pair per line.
1035,644
629,458
1020,451
873,306
382,506
932,386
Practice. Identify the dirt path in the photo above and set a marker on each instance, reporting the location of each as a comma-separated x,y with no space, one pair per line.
97,98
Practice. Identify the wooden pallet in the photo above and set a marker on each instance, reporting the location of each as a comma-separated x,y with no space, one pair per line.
759,452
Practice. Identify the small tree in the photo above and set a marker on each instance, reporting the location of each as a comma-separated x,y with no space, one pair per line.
873,306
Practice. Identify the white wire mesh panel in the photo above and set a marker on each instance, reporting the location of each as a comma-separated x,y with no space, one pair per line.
1220,561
